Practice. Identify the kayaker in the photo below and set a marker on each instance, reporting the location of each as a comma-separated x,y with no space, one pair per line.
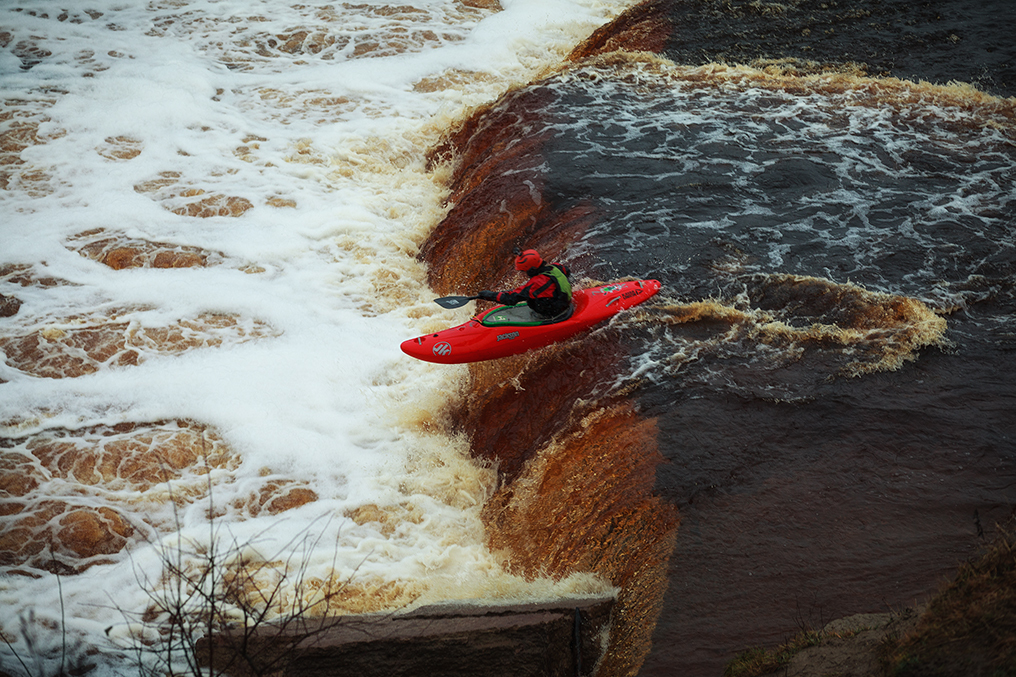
548,291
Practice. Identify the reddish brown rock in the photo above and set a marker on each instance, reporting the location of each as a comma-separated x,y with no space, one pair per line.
20,130
24,275
62,536
9,305
277,496
211,205
45,522
134,455
175,195
59,488
88,532
119,253
120,148
69,352
19,475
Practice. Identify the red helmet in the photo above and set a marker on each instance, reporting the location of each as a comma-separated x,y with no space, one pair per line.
528,260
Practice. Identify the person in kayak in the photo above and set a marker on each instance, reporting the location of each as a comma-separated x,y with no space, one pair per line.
548,291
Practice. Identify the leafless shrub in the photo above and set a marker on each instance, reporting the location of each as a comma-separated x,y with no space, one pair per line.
225,608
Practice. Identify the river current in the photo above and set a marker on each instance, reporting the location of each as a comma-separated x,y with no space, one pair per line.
220,219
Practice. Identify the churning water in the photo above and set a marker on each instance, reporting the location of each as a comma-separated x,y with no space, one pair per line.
211,216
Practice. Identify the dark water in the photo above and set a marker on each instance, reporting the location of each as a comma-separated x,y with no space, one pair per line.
859,500
818,474
934,40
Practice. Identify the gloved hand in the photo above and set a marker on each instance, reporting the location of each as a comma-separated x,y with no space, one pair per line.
488,295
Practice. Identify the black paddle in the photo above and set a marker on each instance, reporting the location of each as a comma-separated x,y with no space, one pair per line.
459,301
454,301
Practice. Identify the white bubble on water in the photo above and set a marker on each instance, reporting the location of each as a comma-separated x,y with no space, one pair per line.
141,117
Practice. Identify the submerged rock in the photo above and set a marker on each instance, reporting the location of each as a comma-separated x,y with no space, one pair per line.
9,305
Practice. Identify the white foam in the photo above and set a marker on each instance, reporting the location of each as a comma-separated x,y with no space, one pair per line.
323,396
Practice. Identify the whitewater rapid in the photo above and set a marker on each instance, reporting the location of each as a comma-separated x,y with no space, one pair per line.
285,144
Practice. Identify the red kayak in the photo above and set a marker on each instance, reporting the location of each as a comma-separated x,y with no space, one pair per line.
510,330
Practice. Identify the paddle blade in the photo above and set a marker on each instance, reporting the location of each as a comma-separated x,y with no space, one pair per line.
454,301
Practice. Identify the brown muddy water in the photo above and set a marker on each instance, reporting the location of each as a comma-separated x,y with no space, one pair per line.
830,366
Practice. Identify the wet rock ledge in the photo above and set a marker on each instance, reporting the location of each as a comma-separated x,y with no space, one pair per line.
564,637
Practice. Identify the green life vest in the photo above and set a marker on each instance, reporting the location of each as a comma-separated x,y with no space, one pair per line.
562,280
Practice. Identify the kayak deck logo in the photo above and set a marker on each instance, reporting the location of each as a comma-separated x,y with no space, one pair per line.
443,349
